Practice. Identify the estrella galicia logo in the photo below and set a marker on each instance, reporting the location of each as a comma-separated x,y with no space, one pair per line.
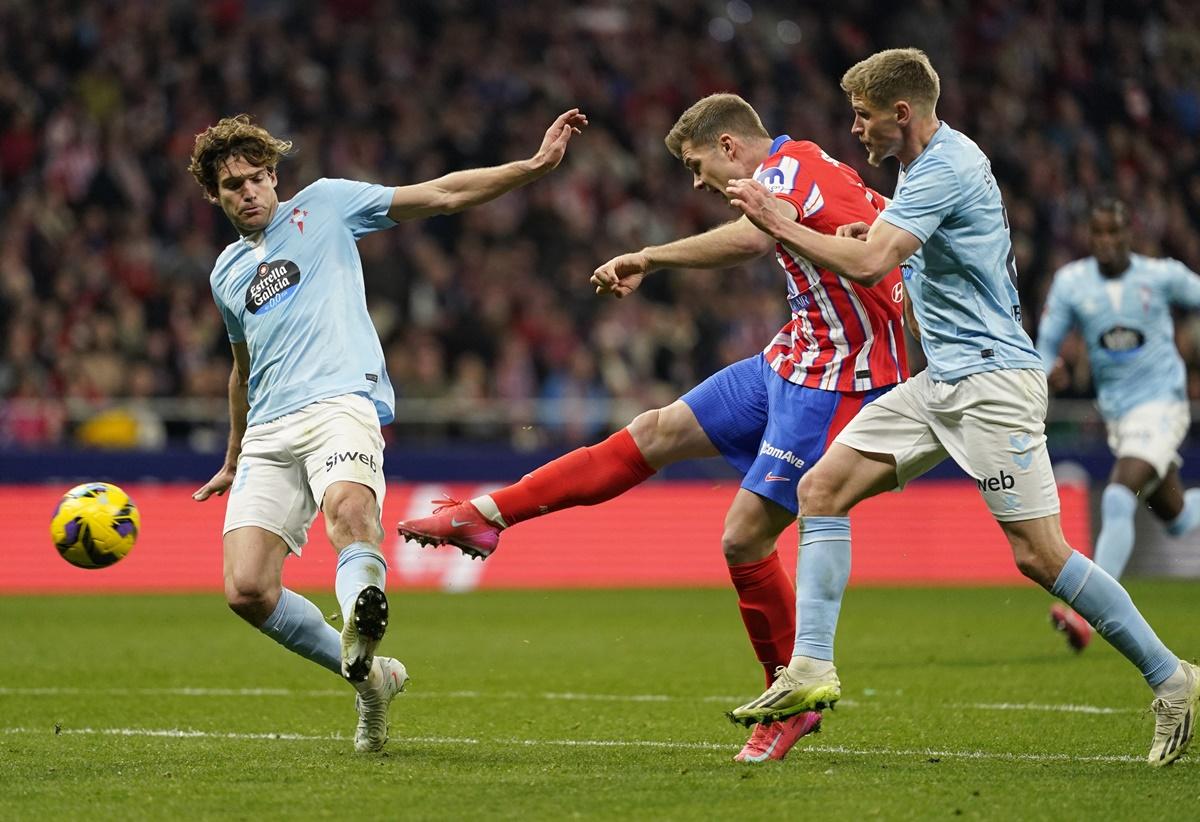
273,283
773,179
1122,340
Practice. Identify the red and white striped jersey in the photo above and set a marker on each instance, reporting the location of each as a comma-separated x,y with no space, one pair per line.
842,336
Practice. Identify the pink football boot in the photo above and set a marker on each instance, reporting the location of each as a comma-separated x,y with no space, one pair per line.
454,523
775,740
1078,632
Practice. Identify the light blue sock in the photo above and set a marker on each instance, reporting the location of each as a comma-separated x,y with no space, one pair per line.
298,625
1115,542
359,564
1189,517
1101,600
822,571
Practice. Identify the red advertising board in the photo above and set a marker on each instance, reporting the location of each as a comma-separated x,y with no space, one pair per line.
659,534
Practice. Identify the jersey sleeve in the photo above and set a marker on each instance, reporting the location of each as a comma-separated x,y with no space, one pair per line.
787,179
1183,285
362,206
233,326
1056,321
926,197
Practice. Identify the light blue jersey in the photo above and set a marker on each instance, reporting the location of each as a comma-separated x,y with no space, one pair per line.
295,297
1126,323
963,286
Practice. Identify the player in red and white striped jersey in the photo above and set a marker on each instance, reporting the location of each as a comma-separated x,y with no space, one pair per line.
771,415
843,336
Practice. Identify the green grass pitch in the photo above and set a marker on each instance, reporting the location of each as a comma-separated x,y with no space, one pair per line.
580,704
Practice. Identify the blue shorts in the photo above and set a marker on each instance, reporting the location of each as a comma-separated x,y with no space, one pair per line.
768,428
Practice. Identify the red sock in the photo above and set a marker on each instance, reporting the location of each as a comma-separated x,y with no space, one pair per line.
767,600
585,476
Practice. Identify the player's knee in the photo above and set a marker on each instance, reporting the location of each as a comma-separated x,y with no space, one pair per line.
740,547
1033,564
816,496
251,597
646,428
353,515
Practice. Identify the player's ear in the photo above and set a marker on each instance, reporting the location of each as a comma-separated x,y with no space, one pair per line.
903,112
726,143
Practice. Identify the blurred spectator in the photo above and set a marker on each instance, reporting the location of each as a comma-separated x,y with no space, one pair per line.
106,242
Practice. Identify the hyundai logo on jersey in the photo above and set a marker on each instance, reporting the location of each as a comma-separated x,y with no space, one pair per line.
773,179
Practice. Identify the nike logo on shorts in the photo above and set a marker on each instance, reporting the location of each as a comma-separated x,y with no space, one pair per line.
776,478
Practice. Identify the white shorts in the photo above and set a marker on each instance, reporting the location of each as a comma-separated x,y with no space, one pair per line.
1152,432
287,464
992,424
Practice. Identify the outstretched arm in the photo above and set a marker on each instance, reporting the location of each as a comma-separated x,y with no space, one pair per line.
867,262
722,247
463,189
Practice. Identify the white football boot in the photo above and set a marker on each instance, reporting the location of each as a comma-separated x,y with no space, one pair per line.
373,701
1175,719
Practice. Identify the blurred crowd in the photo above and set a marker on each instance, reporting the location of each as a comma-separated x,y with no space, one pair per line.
109,331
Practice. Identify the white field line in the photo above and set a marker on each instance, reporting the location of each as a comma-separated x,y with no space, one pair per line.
1034,706
547,695
929,753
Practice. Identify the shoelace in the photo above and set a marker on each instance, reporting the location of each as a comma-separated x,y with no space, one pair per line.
785,678
445,502
1164,707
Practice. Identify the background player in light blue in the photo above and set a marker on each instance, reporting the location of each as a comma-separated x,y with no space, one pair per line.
308,390
1121,303
982,399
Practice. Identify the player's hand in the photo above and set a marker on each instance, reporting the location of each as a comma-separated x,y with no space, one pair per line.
1059,378
855,231
621,275
218,485
554,144
752,199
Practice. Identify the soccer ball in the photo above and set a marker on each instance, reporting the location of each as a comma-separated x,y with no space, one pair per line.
95,525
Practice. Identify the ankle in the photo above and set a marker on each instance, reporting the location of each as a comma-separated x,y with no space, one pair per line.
807,665
487,508
1177,681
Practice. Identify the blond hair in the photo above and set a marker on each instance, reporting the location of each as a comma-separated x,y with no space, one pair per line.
896,74
709,118
233,137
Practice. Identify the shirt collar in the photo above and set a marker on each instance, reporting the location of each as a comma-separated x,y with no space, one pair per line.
778,143
943,131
